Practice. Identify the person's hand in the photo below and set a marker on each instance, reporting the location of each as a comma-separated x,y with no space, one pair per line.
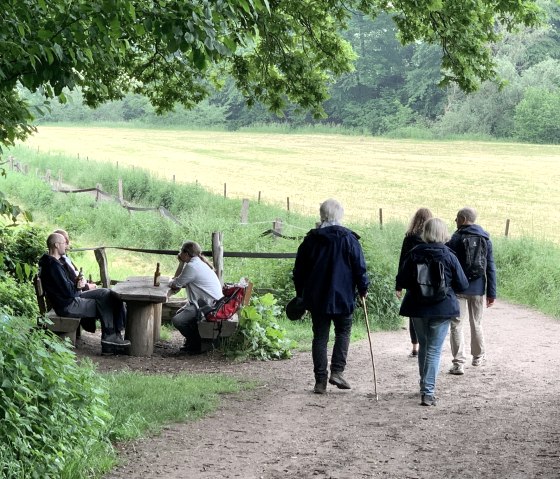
81,283
398,293
92,286
490,302
172,291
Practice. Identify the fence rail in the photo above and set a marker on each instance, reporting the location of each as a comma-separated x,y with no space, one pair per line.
217,253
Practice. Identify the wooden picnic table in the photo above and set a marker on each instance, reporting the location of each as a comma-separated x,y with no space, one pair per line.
144,302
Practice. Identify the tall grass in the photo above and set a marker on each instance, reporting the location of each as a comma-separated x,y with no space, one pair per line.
528,271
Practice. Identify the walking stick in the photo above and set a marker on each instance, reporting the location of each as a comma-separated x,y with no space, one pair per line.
370,348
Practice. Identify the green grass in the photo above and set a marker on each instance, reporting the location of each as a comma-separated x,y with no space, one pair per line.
141,404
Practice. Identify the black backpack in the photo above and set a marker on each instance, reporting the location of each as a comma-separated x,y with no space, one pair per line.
473,255
430,280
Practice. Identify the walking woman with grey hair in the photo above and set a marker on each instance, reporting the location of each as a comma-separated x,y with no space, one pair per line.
411,239
329,268
431,315
197,276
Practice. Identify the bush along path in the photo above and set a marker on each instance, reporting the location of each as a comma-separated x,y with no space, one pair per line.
501,420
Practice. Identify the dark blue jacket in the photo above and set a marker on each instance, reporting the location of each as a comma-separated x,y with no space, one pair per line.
484,284
59,288
329,267
454,277
409,242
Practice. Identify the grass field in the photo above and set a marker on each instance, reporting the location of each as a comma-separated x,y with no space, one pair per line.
501,180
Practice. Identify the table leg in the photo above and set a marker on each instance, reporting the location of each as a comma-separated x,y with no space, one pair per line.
140,328
158,307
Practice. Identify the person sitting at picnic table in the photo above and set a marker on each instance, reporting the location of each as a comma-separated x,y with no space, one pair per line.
197,276
71,268
67,298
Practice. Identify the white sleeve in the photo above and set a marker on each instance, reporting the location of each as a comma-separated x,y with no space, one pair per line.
187,276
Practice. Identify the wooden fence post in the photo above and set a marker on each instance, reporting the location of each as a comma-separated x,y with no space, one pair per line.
97,191
507,227
277,226
225,190
381,218
48,176
101,258
259,200
121,196
218,254
11,162
59,181
245,211
288,203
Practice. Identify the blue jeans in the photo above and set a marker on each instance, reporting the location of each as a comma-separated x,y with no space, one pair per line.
431,336
321,330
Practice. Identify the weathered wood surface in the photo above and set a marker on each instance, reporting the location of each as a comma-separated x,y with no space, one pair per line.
144,302
141,288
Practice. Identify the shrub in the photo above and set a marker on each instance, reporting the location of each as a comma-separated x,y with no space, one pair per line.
259,335
20,246
53,410
537,117
18,298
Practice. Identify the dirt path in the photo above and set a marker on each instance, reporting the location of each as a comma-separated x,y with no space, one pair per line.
498,421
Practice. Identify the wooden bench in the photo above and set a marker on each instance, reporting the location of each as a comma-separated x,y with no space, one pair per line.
62,326
211,331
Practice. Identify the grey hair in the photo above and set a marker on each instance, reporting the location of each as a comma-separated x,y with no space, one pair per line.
435,231
331,211
468,214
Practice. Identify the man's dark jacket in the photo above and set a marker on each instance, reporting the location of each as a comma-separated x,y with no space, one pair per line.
454,277
60,289
329,267
486,283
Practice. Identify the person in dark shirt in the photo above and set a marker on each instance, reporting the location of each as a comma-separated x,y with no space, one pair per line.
411,239
329,268
471,301
431,319
67,299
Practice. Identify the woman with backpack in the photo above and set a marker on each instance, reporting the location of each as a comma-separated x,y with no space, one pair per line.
411,239
431,275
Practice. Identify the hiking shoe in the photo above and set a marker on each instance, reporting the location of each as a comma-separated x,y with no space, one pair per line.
320,387
478,361
457,369
428,400
115,339
413,354
338,380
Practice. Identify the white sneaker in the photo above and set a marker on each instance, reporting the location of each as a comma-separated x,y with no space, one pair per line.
457,369
478,361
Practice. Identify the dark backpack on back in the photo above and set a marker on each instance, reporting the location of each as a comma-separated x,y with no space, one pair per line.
473,256
430,280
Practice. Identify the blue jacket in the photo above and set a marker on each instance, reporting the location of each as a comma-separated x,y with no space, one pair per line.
454,277
329,267
484,284
60,289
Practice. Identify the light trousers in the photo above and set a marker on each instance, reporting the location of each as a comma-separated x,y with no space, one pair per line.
472,307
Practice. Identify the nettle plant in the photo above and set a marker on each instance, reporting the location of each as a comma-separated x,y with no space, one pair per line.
259,335
54,410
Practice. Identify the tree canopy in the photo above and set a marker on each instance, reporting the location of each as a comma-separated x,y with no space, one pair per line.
173,51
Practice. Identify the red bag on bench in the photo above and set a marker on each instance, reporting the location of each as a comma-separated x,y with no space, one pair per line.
229,304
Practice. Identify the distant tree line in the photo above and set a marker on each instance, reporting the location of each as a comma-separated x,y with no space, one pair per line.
393,90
